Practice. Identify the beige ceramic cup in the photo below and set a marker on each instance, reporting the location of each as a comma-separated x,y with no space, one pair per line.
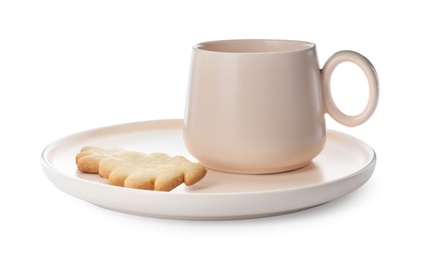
257,106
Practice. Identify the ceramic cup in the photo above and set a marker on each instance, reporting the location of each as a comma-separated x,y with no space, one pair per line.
257,106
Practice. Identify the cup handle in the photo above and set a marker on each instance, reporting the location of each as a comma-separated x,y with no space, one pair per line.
371,75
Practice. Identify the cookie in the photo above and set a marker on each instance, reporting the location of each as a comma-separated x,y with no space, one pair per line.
89,157
155,171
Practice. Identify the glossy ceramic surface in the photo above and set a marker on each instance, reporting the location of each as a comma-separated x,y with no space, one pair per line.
258,106
344,165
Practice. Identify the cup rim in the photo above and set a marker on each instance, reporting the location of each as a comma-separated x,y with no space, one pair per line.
254,46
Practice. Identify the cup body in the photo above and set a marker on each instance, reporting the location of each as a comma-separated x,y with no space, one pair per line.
254,106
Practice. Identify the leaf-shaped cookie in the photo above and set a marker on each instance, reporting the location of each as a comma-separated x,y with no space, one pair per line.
155,171
89,157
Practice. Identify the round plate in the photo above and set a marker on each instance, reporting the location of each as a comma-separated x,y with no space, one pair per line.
345,164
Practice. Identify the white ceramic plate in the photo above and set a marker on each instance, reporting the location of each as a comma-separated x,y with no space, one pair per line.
345,164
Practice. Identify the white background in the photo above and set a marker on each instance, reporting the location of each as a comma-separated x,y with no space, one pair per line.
69,66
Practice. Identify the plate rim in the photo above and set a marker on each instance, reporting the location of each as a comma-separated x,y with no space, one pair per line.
50,170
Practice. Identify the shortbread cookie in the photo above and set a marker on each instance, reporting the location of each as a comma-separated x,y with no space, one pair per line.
155,171
89,157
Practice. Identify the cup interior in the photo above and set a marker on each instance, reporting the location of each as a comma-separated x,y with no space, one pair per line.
254,46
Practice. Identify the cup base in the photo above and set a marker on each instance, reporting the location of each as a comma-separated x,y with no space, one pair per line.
261,171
